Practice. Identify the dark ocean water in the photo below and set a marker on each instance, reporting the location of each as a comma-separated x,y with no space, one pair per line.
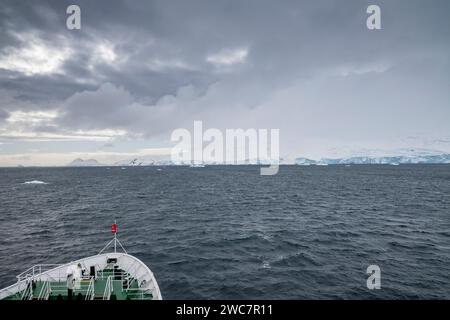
227,232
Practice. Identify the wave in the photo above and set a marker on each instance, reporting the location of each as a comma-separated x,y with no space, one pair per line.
35,182
296,259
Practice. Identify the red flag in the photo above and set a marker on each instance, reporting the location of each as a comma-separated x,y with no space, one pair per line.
113,228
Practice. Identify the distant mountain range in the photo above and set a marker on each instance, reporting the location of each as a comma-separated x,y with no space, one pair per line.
143,162
393,160
406,158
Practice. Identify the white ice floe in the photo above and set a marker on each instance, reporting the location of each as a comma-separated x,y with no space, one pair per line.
35,182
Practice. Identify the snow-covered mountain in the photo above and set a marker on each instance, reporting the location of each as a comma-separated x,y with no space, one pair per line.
398,156
167,162
305,161
143,162
84,163
410,157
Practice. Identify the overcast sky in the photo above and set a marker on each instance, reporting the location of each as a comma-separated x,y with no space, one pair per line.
137,70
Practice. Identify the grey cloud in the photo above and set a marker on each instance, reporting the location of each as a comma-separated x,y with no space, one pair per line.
112,107
101,109
287,40
161,48
3,115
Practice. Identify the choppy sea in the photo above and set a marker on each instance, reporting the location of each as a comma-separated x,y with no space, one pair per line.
227,232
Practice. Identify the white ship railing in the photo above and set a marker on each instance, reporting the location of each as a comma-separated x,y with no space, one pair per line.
90,293
27,294
108,289
58,289
115,273
44,294
138,293
35,270
80,287
133,269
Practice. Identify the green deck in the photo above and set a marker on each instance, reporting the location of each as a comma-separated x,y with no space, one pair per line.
121,289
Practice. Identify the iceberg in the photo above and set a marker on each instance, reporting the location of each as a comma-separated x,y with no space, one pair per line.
35,182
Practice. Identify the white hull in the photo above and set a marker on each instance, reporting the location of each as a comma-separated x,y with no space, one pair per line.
126,262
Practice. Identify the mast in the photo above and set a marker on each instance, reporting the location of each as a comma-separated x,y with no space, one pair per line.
114,228
114,240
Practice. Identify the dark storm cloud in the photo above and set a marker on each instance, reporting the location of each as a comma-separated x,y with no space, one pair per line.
289,38
127,67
